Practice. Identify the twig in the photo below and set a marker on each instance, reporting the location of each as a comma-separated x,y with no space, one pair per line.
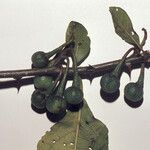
84,72
88,72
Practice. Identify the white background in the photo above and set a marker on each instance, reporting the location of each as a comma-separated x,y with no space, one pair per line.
30,25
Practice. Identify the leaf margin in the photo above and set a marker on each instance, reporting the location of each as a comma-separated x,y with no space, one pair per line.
135,41
72,34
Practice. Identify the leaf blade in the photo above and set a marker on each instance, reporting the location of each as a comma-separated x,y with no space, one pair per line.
78,33
78,130
123,26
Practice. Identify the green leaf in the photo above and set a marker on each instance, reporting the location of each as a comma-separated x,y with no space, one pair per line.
78,33
123,26
76,131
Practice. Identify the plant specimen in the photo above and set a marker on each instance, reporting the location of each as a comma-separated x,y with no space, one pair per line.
76,128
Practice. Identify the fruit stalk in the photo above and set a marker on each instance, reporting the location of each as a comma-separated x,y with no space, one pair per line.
117,70
141,77
75,69
61,87
55,51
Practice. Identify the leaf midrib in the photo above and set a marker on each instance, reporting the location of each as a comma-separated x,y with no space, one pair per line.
77,129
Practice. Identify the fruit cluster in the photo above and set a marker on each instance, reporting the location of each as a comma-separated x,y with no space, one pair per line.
110,83
51,94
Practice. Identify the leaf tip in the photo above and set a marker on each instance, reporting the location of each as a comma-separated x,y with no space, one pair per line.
73,23
110,8
113,9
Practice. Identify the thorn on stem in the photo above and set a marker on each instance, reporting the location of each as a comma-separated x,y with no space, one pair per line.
90,67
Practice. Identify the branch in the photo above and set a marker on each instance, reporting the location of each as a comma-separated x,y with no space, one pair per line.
88,72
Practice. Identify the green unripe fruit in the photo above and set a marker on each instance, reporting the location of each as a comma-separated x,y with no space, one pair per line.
56,105
38,99
73,95
39,59
110,83
43,82
133,92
